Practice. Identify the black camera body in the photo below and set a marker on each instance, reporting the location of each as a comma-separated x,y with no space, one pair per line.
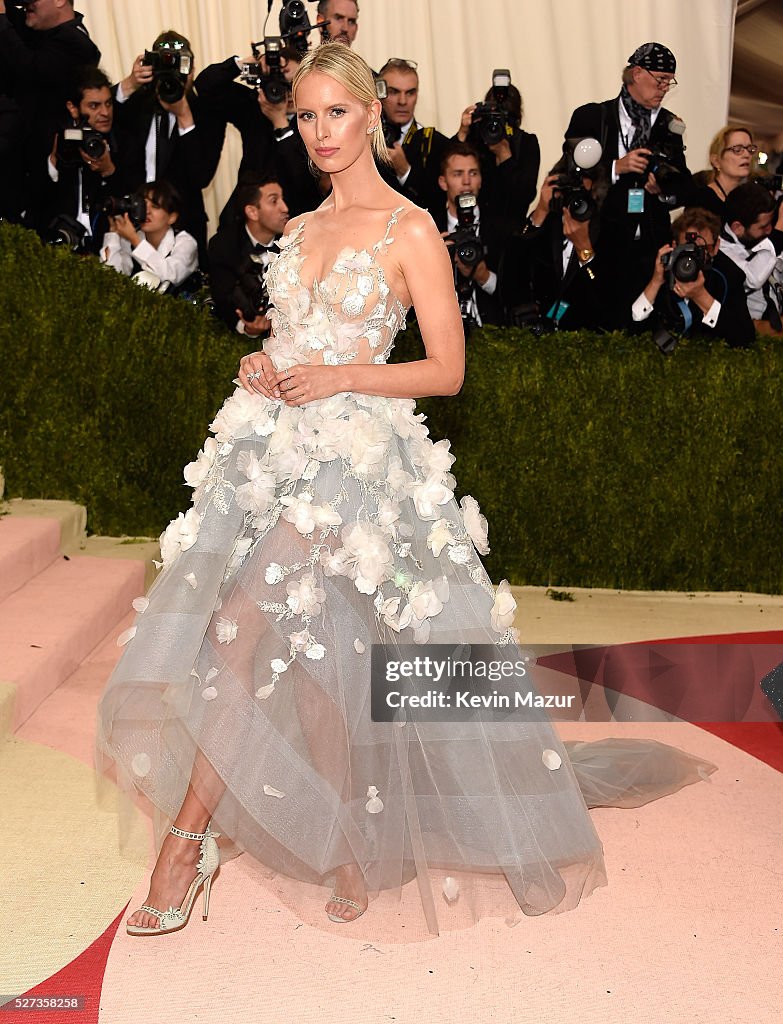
660,163
116,206
71,142
490,123
170,69
568,191
250,295
273,84
685,262
65,232
467,246
295,25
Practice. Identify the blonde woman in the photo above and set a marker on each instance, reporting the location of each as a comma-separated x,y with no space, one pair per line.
732,162
324,522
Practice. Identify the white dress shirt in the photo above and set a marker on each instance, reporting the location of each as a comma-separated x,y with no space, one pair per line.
757,264
175,259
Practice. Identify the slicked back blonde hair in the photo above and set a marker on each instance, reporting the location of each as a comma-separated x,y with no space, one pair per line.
720,142
339,62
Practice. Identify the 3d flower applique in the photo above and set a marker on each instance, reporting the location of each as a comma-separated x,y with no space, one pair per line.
429,494
264,692
191,580
374,805
279,666
459,554
141,764
475,523
387,610
552,760
226,630
274,573
315,651
180,535
502,613
126,636
450,888
271,791
358,646
299,512
300,641
439,536
196,473
209,693
140,604
305,597
258,494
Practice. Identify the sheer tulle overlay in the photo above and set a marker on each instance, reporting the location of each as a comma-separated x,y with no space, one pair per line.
315,533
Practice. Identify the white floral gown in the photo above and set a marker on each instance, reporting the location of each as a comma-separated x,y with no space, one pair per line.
316,532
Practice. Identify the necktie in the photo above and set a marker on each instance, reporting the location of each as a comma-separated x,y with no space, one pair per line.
162,143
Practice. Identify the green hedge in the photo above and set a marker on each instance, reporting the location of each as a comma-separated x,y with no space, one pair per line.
597,461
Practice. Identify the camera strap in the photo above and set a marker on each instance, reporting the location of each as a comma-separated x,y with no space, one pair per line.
687,316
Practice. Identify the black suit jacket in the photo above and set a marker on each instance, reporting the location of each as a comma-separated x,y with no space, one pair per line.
510,187
494,236
192,158
423,150
724,281
227,101
229,255
534,274
631,240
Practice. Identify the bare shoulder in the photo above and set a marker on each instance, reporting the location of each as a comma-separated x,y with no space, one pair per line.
416,228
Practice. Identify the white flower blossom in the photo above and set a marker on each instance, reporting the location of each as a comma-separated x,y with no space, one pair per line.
299,512
428,494
278,665
370,438
315,651
300,641
475,523
369,550
258,494
179,535
502,614
196,472
305,596
398,481
244,414
226,630
439,536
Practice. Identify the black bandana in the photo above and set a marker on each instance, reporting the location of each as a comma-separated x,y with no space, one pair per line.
653,57
640,118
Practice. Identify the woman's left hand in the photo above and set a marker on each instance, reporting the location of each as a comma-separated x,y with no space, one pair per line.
307,383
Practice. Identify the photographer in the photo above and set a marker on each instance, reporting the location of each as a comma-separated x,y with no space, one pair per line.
41,46
510,157
158,108
339,21
555,277
752,237
695,289
240,251
477,283
415,151
155,247
83,165
643,154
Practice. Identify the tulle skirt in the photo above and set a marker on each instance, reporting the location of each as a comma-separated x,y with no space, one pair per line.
247,676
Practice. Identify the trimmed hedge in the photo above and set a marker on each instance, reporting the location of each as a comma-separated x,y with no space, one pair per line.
597,461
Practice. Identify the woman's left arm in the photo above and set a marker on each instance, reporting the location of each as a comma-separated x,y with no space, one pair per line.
426,268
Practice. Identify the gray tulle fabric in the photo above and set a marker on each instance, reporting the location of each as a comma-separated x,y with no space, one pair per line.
315,533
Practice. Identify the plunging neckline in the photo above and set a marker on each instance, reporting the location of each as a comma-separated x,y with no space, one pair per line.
315,286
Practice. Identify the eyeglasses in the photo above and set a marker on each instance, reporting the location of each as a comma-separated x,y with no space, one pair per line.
401,62
662,83
739,149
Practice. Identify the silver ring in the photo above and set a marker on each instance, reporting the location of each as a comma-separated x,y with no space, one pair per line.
254,376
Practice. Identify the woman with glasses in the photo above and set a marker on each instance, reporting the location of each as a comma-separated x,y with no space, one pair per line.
732,161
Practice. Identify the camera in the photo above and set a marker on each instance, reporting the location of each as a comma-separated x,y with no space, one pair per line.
116,206
71,142
685,262
273,84
67,233
568,191
392,133
250,295
667,174
295,24
171,64
489,122
467,246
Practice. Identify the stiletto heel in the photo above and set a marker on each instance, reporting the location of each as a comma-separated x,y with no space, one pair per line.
207,887
174,918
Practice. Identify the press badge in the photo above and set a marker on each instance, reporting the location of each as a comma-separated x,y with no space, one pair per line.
636,200
558,310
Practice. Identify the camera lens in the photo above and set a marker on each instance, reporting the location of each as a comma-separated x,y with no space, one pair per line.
275,90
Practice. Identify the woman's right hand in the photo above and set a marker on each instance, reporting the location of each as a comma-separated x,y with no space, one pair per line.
266,383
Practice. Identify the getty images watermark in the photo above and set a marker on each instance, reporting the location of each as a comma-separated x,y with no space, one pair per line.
447,683
693,682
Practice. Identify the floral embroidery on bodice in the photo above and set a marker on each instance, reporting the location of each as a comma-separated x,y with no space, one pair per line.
350,316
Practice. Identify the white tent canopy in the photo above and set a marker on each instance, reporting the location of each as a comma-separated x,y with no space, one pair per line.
561,53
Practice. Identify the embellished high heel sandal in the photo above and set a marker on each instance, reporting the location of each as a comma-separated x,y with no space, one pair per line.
351,903
174,918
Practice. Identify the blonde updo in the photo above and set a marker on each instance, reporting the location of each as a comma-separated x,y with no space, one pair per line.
346,67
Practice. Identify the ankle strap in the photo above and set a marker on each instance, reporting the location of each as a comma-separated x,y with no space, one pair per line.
189,835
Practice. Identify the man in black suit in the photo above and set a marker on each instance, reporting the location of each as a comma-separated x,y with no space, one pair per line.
170,140
41,47
80,180
643,154
478,286
416,151
555,275
712,305
240,251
